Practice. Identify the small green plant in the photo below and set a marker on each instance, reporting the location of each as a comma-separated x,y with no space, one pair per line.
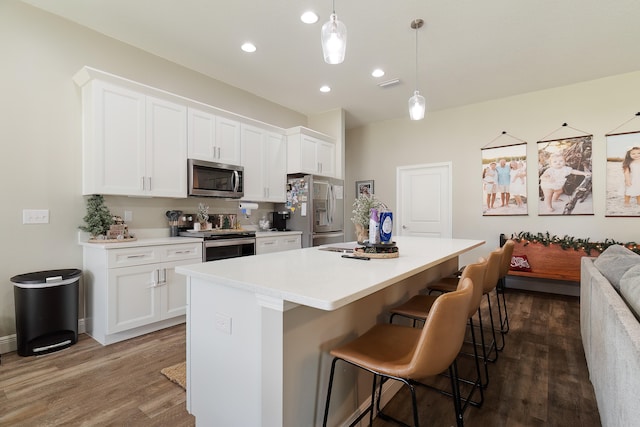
98,218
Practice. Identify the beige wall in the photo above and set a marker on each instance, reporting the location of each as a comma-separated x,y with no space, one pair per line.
40,136
457,135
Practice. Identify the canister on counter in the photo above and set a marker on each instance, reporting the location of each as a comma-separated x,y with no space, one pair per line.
386,226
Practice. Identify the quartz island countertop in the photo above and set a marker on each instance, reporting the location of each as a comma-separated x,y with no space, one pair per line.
323,279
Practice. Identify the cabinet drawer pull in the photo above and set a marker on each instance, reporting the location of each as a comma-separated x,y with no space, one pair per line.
182,252
135,256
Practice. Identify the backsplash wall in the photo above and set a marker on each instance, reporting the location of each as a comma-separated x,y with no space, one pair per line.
150,212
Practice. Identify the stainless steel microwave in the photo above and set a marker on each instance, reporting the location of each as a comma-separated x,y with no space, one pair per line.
208,179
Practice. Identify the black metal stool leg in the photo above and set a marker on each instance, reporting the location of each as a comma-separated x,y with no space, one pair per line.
494,344
326,406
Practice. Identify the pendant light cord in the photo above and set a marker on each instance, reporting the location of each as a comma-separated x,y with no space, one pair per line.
416,87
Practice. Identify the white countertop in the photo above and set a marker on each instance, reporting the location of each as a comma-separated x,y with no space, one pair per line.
323,279
141,242
276,233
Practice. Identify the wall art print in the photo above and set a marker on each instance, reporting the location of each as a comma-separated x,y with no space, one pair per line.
364,188
623,174
564,176
504,180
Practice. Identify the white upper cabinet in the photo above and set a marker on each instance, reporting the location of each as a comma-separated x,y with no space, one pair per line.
276,161
213,138
166,159
133,144
310,152
264,158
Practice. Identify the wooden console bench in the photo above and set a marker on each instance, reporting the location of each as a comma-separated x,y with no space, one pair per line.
550,262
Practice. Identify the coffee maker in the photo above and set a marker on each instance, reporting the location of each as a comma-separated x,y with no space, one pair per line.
279,220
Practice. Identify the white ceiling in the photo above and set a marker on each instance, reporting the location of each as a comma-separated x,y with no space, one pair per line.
469,50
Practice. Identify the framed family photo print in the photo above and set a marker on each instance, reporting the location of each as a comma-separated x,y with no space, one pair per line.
623,174
564,176
504,180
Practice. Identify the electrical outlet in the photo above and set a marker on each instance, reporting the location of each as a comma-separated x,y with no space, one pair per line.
223,323
128,216
35,216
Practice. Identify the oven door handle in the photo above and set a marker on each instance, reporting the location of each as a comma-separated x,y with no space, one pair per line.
228,242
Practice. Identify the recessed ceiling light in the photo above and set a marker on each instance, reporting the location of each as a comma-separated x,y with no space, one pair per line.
325,89
248,47
309,17
377,72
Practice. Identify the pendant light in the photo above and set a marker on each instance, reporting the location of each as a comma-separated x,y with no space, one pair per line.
334,39
417,103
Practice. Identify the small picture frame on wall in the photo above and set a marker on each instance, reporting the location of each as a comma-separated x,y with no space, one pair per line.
364,188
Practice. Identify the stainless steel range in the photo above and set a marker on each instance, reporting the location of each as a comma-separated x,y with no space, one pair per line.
219,243
222,244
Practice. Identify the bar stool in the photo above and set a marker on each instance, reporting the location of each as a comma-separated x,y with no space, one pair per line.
448,284
408,354
417,308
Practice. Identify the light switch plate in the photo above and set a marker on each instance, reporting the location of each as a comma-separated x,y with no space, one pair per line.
35,216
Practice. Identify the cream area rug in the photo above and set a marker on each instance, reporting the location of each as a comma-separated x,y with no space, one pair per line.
177,373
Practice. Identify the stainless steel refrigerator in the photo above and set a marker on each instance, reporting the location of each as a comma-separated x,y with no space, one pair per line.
317,208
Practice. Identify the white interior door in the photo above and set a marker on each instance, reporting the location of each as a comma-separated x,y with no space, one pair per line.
424,200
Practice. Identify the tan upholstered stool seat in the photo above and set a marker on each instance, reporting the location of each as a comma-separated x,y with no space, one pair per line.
444,285
417,307
386,348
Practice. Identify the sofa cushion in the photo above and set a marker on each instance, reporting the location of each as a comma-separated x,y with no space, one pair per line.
614,261
630,288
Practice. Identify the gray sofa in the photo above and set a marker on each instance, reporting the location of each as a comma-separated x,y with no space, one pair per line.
609,304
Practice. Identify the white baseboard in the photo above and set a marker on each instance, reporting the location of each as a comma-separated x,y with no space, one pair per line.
389,389
9,343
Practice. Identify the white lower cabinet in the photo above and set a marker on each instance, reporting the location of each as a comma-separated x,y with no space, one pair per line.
133,291
269,244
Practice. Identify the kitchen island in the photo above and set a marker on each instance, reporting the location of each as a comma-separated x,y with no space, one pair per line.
259,328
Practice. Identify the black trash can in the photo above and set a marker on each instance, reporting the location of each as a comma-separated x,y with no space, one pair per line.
46,310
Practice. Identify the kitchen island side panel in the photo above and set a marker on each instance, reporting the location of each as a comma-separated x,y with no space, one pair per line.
224,355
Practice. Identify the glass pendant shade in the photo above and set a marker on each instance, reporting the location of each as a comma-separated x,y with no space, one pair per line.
417,106
334,40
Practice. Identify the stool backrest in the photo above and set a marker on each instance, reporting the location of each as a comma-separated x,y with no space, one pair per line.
442,334
507,253
493,270
476,273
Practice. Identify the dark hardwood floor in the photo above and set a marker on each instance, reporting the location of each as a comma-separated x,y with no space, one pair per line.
540,379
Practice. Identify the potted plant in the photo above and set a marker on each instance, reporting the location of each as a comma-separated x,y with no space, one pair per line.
202,215
361,214
98,218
